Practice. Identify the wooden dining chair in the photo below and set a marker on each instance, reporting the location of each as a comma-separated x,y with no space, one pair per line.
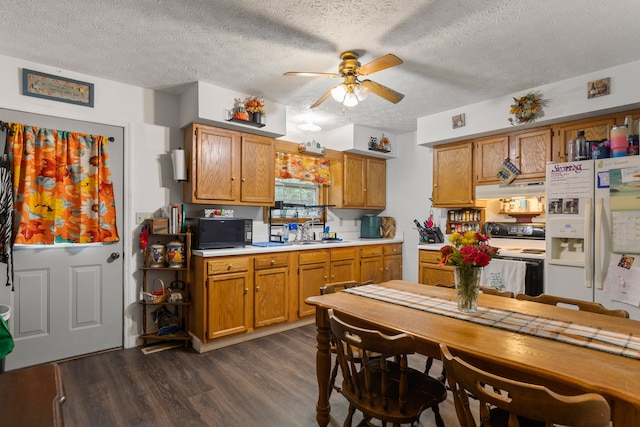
331,288
493,291
592,307
384,388
506,402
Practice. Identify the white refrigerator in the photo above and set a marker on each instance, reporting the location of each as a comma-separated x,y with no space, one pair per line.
593,232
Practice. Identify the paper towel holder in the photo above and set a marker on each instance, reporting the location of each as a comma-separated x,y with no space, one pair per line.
179,165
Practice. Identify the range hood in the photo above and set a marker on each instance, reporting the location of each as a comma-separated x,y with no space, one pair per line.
501,191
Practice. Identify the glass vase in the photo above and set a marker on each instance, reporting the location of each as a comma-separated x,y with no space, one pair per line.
467,280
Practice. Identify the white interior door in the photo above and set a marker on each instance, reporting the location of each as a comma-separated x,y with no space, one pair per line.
68,300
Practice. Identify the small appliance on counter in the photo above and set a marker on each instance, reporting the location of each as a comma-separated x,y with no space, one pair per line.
221,232
371,227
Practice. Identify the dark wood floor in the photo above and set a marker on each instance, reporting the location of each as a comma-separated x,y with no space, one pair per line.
268,381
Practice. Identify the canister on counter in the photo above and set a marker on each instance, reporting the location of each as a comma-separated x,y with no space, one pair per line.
619,141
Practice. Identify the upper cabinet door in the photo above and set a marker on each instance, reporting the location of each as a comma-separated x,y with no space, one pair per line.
531,151
594,130
354,181
490,153
376,189
216,165
258,170
453,175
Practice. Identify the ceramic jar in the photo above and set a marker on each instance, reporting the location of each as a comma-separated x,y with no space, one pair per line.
156,255
175,254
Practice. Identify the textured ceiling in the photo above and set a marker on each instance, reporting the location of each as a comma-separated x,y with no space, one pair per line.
455,52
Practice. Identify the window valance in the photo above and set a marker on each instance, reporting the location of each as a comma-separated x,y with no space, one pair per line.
304,168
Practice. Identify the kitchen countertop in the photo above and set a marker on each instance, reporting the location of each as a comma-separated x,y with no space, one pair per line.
431,246
252,250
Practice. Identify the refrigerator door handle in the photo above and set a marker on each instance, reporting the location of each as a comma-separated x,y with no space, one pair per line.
597,259
588,243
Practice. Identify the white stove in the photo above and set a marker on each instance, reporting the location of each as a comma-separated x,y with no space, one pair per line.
523,243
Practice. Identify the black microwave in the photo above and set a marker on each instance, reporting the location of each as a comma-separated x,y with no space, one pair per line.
220,232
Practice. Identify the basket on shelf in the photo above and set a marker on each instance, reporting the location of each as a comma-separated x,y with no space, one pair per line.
156,296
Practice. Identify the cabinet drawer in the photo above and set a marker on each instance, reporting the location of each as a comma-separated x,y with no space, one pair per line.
432,257
369,251
227,265
343,254
272,260
393,249
313,257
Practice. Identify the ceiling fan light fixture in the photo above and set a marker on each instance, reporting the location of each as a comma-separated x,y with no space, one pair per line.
338,92
350,99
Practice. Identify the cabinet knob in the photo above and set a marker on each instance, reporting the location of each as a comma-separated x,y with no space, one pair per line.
246,291
242,180
273,261
325,277
233,178
230,266
333,277
257,288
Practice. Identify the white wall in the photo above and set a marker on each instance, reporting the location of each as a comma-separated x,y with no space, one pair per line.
150,127
565,100
409,186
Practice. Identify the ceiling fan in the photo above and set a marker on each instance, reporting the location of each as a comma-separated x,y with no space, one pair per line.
352,90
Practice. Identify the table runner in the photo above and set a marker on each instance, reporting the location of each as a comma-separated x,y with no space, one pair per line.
622,344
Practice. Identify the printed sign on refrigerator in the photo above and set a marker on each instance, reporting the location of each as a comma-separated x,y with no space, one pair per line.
570,180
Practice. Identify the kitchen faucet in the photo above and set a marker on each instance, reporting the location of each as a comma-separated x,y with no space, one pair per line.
307,229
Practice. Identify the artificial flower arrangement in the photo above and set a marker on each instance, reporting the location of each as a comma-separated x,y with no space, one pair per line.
254,104
468,253
468,249
526,109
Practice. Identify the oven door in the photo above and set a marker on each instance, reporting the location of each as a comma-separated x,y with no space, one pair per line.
534,273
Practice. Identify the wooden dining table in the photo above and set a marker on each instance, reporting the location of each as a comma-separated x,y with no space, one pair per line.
560,366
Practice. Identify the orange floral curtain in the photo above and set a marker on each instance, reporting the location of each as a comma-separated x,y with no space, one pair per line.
304,168
62,187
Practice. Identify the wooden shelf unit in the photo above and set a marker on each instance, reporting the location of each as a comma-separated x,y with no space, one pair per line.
180,309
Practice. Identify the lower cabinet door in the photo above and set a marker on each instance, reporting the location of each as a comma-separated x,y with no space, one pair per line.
270,296
311,278
229,304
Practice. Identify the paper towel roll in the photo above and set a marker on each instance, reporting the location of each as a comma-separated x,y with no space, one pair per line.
179,165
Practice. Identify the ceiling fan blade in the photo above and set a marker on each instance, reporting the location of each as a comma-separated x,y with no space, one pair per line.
387,61
310,74
382,91
322,99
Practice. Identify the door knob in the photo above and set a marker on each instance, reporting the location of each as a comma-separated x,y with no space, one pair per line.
114,256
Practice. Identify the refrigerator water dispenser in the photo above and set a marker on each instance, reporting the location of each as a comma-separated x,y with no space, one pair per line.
567,242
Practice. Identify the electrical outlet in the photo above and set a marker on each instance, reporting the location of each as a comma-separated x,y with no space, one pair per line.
141,216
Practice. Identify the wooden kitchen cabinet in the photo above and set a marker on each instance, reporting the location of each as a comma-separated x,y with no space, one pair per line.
392,261
453,175
429,272
529,151
313,273
228,299
228,167
489,155
342,265
271,289
594,130
358,182
371,263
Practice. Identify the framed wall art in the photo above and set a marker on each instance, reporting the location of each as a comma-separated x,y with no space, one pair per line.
457,121
598,88
56,88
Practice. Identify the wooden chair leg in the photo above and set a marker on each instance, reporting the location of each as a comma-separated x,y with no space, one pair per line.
439,420
332,380
349,419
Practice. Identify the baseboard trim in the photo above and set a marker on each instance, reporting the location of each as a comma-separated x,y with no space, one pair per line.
225,342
